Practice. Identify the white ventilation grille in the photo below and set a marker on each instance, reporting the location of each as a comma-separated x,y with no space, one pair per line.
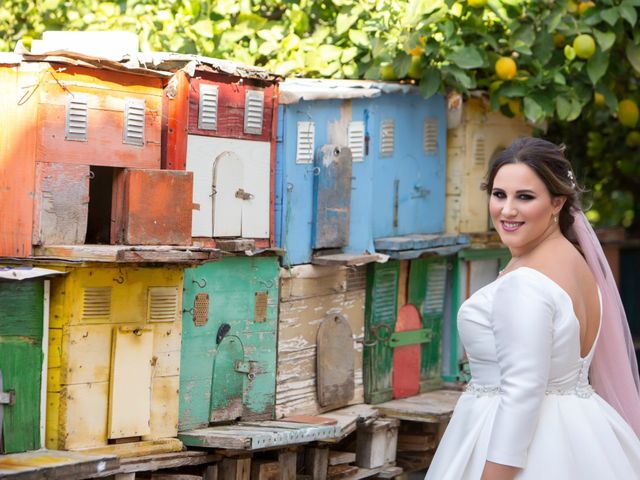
387,138
162,304
253,112
355,141
479,150
305,142
77,118
430,136
96,304
208,107
133,122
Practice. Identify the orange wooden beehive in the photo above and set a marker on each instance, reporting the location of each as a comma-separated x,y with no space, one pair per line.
71,135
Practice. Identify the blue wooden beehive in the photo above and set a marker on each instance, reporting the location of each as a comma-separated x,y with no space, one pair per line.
397,145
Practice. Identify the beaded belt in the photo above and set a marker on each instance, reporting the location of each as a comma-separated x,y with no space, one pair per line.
583,391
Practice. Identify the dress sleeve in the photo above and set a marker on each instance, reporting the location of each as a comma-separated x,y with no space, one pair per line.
522,322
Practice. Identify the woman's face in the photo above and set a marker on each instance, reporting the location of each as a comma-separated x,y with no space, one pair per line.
521,208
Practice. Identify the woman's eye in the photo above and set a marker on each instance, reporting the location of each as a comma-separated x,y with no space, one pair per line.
499,194
525,197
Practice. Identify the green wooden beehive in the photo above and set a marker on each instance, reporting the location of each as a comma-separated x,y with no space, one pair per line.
228,359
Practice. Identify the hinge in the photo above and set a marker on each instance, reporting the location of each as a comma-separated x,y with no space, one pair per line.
133,133
208,107
410,337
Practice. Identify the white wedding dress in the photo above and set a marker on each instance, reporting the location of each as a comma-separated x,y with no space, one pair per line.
529,403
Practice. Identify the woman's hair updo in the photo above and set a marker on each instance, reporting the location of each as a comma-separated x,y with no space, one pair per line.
547,160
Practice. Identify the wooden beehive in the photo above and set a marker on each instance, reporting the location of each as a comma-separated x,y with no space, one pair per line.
470,148
314,299
221,127
72,134
403,358
114,363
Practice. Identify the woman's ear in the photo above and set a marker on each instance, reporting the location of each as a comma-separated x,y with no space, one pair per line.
558,202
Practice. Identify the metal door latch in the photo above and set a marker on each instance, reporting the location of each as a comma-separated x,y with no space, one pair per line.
8,398
248,367
241,194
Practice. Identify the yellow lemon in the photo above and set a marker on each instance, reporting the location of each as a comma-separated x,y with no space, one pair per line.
628,113
584,46
515,105
387,73
633,139
506,68
558,40
598,99
415,70
477,3
584,6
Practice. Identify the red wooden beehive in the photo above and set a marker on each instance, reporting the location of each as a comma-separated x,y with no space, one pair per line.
222,127
74,139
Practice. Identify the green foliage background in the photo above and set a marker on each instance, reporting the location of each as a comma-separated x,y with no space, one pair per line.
443,45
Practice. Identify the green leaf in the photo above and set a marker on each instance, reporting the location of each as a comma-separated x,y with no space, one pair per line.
604,39
532,110
348,54
430,82
401,64
559,78
563,107
417,9
344,21
203,28
461,77
597,66
633,3
329,53
633,55
359,38
576,110
610,15
628,12
609,98
512,90
466,57
543,49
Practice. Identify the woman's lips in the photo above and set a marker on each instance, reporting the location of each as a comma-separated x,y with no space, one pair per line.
510,226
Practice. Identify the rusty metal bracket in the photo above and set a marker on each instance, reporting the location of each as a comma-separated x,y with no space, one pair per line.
242,195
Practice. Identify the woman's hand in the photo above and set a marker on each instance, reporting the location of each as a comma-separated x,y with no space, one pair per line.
497,471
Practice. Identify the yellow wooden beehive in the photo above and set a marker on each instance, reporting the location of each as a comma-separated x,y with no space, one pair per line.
470,148
114,364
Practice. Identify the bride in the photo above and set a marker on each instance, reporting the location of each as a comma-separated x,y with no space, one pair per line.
537,336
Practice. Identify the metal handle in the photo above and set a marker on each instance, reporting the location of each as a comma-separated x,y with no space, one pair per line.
242,195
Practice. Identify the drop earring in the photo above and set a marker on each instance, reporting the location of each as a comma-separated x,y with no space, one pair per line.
555,218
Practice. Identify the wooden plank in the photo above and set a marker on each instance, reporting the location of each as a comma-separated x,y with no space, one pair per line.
349,417
166,220
335,382
265,470
287,461
317,462
305,281
175,102
17,158
54,464
432,407
89,358
83,416
235,468
337,457
236,244
138,449
344,259
163,418
376,443
61,204
150,463
130,378
126,253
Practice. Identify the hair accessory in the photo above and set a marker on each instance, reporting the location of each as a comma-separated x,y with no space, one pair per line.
571,179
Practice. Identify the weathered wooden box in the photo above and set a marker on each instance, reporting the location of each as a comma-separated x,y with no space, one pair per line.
71,133
377,443
24,318
229,341
470,148
220,125
320,333
114,355
397,167
405,309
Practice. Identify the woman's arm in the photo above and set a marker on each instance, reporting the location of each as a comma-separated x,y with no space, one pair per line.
497,471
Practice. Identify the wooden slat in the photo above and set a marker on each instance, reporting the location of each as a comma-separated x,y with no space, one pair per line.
54,464
346,259
138,449
149,463
432,407
127,253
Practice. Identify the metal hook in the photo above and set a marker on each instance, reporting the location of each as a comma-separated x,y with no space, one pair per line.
91,175
190,311
204,283
119,280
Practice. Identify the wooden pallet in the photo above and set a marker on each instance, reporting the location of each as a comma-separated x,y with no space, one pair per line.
54,464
